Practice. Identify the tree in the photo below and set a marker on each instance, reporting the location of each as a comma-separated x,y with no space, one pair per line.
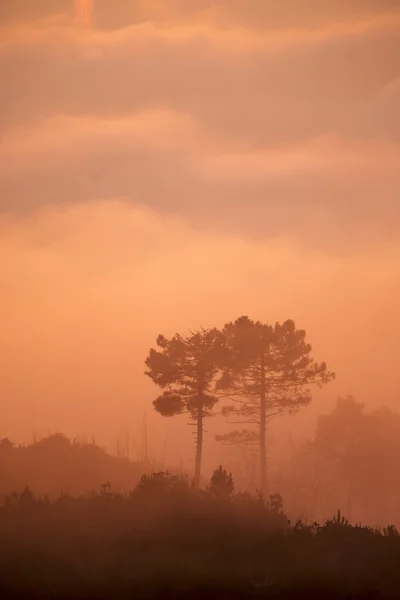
342,443
221,484
187,368
269,371
356,455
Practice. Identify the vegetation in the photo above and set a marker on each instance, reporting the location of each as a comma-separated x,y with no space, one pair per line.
56,464
351,462
159,534
169,539
265,369
269,369
187,369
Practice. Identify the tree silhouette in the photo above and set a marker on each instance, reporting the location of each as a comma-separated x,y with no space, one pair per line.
269,371
187,368
355,455
221,484
340,443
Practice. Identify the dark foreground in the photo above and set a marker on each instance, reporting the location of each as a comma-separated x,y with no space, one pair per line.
167,541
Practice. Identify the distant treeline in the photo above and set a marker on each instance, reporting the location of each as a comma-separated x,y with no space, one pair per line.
167,539
351,462
55,464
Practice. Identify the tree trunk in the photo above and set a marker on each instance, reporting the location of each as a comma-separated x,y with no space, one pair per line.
263,433
199,445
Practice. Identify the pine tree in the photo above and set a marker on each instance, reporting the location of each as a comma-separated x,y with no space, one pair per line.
187,368
269,371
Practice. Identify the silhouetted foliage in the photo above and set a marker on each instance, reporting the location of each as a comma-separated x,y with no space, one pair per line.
161,483
269,371
167,539
222,485
187,369
338,521
351,462
55,464
276,503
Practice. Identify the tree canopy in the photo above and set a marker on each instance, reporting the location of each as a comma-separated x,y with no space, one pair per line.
187,369
269,371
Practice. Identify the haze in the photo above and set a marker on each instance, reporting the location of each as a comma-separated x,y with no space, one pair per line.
165,165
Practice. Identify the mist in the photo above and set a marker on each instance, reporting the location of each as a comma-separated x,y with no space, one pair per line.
168,166
159,176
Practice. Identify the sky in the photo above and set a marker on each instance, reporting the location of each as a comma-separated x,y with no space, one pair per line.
172,164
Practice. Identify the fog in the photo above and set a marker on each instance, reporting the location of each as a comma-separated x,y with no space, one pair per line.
165,166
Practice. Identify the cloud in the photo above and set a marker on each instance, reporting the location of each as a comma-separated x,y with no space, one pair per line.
224,13
250,87
164,160
87,288
252,131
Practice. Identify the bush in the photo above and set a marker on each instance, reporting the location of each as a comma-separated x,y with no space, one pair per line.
165,536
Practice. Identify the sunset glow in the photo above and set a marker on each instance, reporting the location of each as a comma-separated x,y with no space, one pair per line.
166,165
84,11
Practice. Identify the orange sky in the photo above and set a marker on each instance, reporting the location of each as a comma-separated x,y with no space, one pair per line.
179,164
84,10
